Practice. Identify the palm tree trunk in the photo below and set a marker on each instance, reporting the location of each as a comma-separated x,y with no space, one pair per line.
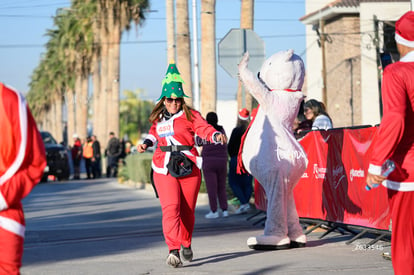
208,57
78,100
169,13
246,22
83,106
183,48
97,93
102,131
113,70
58,117
70,103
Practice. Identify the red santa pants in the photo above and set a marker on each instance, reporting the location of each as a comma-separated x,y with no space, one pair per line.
11,252
402,240
178,197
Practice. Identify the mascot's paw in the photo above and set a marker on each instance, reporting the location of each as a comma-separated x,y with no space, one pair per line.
268,243
298,242
244,61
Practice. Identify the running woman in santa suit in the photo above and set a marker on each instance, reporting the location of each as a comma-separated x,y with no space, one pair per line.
174,128
22,161
395,141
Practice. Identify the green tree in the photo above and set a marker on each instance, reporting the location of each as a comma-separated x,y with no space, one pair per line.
134,114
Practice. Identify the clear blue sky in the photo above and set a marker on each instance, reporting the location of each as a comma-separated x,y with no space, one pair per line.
143,51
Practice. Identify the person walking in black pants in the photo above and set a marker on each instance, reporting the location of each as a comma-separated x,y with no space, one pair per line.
113,152
96,159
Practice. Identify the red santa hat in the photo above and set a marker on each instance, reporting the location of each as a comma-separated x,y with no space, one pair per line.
244,114
404,30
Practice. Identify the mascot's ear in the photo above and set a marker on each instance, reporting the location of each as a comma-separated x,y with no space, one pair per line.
289,54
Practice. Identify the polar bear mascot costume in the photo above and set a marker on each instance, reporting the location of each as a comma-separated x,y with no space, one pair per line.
271,153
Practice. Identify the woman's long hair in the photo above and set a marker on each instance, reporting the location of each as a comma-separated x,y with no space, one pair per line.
317,108
158,111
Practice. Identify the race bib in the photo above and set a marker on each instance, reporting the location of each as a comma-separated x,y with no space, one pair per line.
165,128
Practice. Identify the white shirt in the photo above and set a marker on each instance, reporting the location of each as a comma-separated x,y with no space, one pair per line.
322,122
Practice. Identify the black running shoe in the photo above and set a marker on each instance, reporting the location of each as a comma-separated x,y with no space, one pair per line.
173,259
187,253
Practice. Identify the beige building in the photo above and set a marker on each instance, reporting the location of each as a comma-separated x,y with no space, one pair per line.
346,42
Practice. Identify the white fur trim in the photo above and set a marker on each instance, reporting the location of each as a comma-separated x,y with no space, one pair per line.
243,118
152,138
3,203
399,186
14,167
401,40
374,169
199,162
159,170
409,57
12,226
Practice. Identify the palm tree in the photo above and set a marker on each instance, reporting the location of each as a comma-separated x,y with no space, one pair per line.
183,47
208,56
113,17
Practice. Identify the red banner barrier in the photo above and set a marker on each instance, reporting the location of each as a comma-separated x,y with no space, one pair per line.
333,186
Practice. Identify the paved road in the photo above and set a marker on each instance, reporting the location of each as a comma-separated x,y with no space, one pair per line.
103,227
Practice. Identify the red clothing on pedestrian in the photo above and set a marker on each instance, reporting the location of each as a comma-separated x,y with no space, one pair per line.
395,138
395,141
178,196
183,133
22,162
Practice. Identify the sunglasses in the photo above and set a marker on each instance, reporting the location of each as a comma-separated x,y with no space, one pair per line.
171,100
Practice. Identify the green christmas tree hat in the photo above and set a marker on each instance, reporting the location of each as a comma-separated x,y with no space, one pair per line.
172,84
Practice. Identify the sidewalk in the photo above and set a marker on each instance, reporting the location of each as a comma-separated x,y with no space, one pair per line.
116,229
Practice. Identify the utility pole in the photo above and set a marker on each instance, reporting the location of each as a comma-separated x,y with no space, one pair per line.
170,20
324,80
196,81
244,98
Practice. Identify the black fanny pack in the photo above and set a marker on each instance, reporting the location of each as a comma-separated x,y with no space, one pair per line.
179,165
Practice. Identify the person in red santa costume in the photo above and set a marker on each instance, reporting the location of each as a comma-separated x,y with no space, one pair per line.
22,162
177,182
395,141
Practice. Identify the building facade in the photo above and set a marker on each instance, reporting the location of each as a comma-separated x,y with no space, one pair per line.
348,42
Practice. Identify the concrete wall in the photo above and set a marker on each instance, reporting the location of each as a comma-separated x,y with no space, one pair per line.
313,79
227,114
390,11
343,70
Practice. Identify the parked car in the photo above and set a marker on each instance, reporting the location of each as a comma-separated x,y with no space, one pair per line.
57,158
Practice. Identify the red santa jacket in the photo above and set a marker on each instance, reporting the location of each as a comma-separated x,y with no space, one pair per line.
179,131
395,138
22,158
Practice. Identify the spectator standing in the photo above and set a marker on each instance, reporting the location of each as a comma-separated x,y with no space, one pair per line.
76,151
176,163
87,156
96,159
215,170
241,184
22,161
315,111
113,152
395,141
